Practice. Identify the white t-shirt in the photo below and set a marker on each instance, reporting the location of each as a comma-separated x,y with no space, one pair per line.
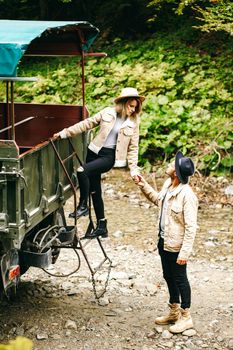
111,140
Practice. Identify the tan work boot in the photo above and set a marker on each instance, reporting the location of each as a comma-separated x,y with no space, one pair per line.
185,322
172,317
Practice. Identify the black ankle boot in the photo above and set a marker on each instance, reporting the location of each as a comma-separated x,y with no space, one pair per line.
101,230
81,210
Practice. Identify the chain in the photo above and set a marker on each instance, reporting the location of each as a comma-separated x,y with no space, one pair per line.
98,296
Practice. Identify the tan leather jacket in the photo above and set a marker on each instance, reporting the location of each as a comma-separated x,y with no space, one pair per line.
181,218
127,141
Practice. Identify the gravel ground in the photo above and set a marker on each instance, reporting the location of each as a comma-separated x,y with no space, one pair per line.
62,313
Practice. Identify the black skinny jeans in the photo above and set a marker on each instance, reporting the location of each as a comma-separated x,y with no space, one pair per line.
90,178
176,277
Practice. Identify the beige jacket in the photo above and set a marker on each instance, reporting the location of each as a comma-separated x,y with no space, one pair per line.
127,142
181,218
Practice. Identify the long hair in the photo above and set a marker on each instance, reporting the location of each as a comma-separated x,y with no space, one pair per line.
121,106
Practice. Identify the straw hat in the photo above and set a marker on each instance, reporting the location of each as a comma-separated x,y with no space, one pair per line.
129,92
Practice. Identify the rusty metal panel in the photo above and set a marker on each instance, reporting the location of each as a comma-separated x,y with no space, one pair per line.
46,119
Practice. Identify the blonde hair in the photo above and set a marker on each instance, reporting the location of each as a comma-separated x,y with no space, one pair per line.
121,106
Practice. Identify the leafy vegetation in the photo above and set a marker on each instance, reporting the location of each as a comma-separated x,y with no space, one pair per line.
187,81
214,15
210,15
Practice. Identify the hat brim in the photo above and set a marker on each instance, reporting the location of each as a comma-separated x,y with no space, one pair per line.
183,179
117,99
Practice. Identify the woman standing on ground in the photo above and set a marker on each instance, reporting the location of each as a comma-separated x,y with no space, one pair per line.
115,144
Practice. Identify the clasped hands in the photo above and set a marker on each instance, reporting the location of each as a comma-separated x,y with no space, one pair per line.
139,180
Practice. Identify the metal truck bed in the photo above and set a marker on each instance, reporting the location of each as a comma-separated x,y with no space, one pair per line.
37,174
32,183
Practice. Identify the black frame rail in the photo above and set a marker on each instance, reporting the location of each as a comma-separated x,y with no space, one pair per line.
77,243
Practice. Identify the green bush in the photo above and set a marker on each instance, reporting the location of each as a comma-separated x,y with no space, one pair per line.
189,102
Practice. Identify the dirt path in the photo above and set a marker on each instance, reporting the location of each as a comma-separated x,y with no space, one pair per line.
61,313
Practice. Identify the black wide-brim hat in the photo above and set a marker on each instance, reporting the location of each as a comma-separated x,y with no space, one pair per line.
184,167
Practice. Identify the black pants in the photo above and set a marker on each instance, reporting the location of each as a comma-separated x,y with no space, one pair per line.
90,178
176,277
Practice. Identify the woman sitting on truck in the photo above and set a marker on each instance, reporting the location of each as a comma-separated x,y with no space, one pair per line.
115,143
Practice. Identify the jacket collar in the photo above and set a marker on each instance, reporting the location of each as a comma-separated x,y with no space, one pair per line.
112,112
128,122
166,186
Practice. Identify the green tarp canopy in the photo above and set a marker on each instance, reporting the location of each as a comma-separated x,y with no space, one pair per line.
35,37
